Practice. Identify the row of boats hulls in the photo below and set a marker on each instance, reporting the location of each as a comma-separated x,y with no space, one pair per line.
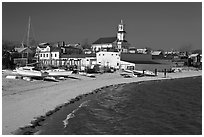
29,71
140,72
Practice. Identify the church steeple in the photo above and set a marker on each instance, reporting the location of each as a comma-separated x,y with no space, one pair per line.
121,31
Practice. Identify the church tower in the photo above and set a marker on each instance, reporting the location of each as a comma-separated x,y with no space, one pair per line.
121,42
121,31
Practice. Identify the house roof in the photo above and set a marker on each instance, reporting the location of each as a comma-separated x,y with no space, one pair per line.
20,50
156,52
193,55
105,40
43,45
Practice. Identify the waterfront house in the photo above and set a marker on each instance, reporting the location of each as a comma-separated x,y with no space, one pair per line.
48,54
22,56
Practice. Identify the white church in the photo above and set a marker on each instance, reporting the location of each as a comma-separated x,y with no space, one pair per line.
108,49
117,43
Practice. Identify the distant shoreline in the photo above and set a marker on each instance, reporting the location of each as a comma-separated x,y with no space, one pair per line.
38,123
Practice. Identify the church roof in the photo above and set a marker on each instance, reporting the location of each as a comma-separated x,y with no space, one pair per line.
105,40
77,55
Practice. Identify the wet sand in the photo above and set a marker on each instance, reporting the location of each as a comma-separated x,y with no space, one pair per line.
22,100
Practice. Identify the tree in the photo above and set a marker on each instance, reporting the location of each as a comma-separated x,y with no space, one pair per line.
33,43
85,44
8,45
199,51
186,47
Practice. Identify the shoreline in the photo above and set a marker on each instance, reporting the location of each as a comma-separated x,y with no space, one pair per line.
84,93
37,124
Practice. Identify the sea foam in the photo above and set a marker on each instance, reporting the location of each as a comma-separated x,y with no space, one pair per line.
71,115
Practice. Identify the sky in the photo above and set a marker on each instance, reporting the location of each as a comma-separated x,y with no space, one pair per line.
158,25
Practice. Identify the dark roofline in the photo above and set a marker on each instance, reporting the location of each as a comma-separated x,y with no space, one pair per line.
105,40
43,46
77,55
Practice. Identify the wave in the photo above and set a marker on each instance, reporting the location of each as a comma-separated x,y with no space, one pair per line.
72,115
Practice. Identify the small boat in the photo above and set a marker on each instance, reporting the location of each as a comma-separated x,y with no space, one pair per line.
90,75
51,79
145,73
128,71
58,72
30,72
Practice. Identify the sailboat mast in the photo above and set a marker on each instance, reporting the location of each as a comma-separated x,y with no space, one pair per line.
28,32
28,36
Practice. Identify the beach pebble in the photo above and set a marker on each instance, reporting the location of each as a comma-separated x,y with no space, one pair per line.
49,113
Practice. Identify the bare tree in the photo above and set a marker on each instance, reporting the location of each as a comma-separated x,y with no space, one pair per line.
85,44
187,47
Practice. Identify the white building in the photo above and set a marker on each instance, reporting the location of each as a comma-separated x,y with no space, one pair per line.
79,60
48,54
109,59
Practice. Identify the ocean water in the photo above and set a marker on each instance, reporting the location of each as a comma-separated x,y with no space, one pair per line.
167,107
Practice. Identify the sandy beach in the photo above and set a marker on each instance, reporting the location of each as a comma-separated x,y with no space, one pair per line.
24,100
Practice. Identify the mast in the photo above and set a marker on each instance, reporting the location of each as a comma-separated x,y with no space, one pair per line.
28,32
28,36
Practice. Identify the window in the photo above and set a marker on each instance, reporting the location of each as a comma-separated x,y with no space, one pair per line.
103,54
112,54
40,55
116,54
47,55
99,54
43,55
55,54
51,54
87,60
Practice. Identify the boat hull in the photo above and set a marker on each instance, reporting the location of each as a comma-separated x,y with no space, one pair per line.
145,73
30,73
59,73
